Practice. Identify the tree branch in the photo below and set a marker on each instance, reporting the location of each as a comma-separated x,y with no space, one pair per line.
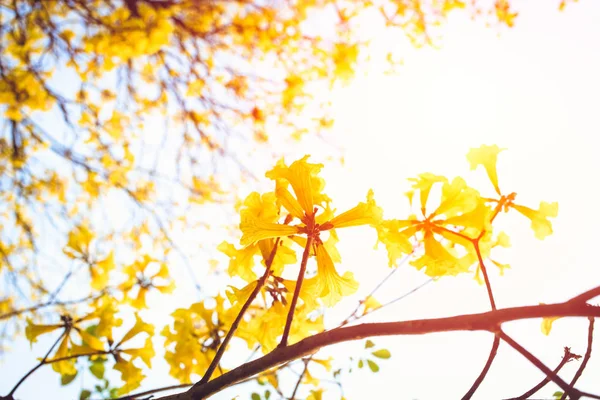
568,356
494,350
485,369
572,392
586,357
488,321
259,284
290,316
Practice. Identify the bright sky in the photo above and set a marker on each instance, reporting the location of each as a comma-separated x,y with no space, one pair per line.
535,90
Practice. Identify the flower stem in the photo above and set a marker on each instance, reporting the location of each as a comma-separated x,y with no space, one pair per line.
290,316
259,284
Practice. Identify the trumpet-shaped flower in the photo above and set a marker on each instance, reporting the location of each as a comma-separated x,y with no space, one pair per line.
193,339
486,156
138,278
539,218
309,206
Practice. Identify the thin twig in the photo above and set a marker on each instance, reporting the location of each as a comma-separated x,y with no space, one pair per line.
259,284
568,356
52,303
485,369
152,391
306,362
485,274
290,316
572,392
586,357
494,349
42,362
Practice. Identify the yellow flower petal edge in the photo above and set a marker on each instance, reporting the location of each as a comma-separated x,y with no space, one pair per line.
539,218
486,156
254,230
363,214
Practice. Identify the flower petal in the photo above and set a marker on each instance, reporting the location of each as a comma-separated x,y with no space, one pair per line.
363,214
486,156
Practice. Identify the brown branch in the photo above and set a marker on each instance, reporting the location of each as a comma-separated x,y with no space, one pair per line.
52,303
568,356
259,284
31,371
485,369
586,357
574,394
488,321
290,316
485,274
494,350
152,391
299,381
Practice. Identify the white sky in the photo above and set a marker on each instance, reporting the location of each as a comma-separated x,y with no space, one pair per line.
534,89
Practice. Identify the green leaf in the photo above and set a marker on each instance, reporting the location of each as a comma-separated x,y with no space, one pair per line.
255,396
85,394
558,394
66,379
91,329
97,369
382,353
369,344
267,394
374,367
360,363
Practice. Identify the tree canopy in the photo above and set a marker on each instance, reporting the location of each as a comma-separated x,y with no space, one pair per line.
128,129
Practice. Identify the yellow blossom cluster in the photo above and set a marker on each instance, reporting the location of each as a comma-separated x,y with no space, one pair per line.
447,236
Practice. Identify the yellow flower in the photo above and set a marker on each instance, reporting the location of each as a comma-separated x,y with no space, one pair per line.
255,229
486,156
131,375
100,271
64,367
424,183
395,239
242,261
266,325
32,331
439,260
461,216
309,206
539,218
370,304
67,348
145,353
192,341
105,309
331,285
363,214
307,186
547,324
139,327
136,278
79,242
